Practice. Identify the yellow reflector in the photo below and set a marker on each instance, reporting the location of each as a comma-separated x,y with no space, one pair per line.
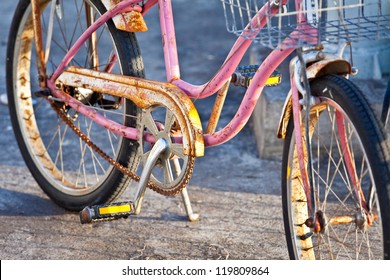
288,171
271,81
115,209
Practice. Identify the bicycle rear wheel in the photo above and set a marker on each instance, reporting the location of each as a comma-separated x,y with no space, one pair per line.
351,184
67,169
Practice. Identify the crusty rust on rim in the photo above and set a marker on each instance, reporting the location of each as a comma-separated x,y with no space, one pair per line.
40,53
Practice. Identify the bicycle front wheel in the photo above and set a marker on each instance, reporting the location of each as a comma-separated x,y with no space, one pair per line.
350,179
73,174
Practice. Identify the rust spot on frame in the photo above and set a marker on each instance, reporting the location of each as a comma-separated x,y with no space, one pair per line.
144,93
132,21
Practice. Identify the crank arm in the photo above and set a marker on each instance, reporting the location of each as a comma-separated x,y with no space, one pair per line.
119,210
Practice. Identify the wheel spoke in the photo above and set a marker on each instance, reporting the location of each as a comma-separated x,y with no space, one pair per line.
150,123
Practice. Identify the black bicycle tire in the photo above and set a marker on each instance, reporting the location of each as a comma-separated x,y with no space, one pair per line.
386,105
116,182
350,98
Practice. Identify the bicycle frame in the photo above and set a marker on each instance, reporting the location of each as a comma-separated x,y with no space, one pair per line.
218,81
173,70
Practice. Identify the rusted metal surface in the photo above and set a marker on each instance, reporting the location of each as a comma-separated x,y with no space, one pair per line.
131,21
359,221
93,50
217,109
341,220
144,94
23,87
300,143
300,191
329,65
299,211
36,15
285,117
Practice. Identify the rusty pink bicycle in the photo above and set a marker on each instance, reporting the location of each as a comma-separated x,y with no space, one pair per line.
88,121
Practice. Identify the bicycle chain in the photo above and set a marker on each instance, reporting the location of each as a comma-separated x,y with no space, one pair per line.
118,165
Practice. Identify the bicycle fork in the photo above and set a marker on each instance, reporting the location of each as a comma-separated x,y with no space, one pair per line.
299,76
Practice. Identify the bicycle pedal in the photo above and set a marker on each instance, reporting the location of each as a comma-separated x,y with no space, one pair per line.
244,74
106,212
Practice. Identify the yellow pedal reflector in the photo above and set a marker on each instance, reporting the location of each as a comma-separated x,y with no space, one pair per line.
274,80
115,209
106,212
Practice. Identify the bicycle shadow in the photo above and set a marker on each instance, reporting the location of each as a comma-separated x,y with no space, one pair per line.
15,203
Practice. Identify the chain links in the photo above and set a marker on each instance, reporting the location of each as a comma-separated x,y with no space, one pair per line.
167,192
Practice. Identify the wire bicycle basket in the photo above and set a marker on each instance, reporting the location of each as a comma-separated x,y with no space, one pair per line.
320,21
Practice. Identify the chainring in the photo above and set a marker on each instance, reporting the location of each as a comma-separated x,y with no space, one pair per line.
173,172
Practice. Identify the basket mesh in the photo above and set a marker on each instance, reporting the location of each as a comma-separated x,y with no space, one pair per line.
330,21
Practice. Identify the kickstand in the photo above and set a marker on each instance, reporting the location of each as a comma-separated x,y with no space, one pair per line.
192,217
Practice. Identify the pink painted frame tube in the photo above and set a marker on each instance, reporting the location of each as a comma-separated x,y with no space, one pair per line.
225,72
173,70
